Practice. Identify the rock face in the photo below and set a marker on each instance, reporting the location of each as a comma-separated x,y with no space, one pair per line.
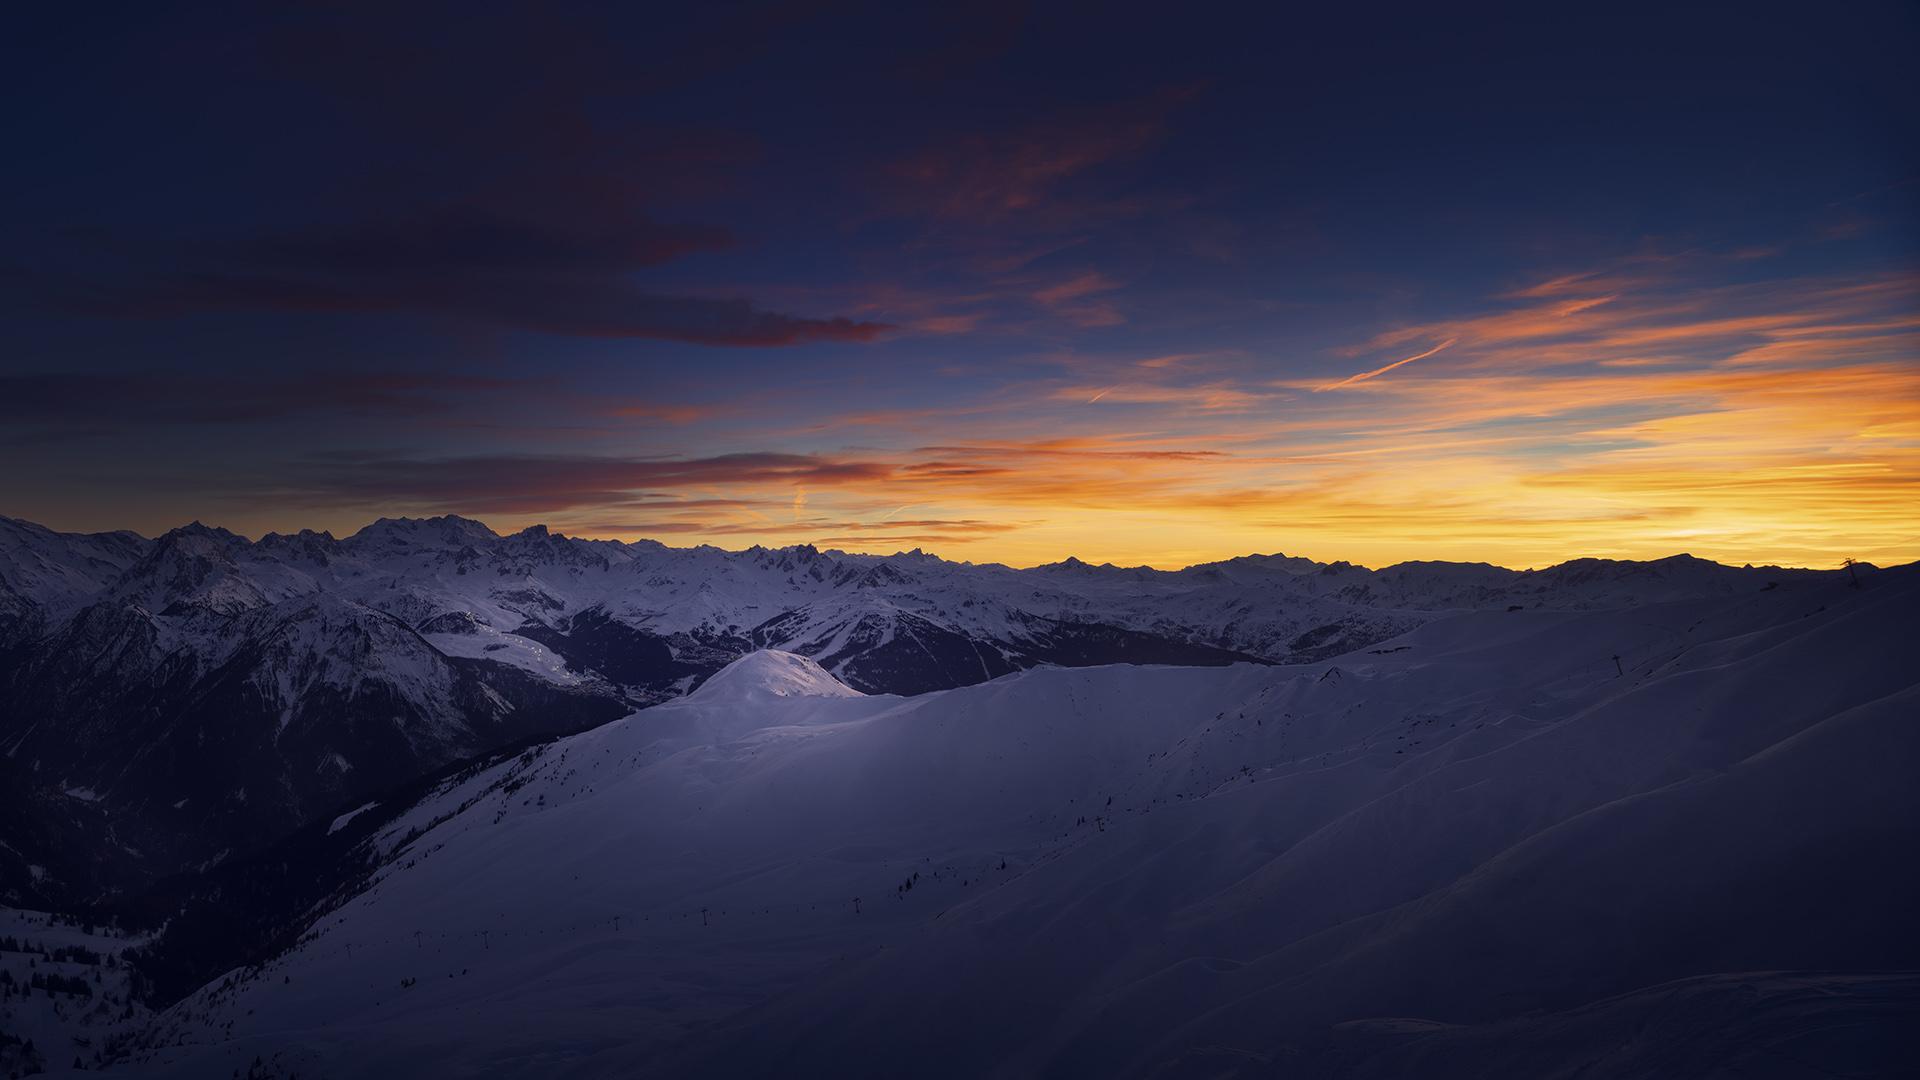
199,734
198,694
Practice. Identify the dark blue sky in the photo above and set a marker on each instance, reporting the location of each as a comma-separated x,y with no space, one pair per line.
1007,281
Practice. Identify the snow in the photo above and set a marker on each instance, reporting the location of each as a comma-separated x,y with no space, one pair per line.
192,581
64,1025
486,643
341,821
768,674
58,570
1482,839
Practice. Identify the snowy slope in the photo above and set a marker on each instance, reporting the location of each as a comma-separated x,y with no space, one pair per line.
1486,839
44,575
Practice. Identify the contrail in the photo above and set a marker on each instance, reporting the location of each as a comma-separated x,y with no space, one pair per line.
1100,395
1365,375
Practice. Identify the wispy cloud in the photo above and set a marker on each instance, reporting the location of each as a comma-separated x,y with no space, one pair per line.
1365,375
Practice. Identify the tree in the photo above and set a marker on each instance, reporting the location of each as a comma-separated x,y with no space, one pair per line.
1853,578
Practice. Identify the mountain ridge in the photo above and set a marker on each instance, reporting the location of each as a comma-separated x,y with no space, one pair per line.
385,525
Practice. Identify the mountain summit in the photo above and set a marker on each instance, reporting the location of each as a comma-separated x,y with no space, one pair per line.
770,673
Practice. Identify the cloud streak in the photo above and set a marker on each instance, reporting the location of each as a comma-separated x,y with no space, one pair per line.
1376,372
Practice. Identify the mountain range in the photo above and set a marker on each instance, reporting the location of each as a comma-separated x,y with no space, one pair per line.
500,805
168,702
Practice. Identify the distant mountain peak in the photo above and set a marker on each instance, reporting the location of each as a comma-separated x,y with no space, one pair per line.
1074,563
197,530
447,530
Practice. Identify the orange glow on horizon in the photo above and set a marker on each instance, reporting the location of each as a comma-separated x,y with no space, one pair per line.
1617,413
1597,415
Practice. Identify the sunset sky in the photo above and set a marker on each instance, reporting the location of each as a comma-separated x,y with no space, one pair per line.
1156,284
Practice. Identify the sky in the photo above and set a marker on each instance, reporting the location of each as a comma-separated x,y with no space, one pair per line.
1143,284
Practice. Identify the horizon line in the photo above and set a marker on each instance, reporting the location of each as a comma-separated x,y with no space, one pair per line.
1063,560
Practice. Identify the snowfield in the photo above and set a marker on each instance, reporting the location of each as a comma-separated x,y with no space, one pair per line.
1666,837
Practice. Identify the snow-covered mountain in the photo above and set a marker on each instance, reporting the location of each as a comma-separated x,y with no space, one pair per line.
43,574
657,618
1660,839
188,697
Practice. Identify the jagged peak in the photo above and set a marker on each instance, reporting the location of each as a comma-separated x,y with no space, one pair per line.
789,557
190,542
1071,562
196,528
303,534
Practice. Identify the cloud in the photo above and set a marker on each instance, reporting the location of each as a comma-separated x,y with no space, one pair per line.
1365,375
61,399
948,324
1220,397
1075,288
606,529
1021,173
667,412
1071,300
555,289
460,239
387,172
1626,320
1764,421
547,483
854,535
